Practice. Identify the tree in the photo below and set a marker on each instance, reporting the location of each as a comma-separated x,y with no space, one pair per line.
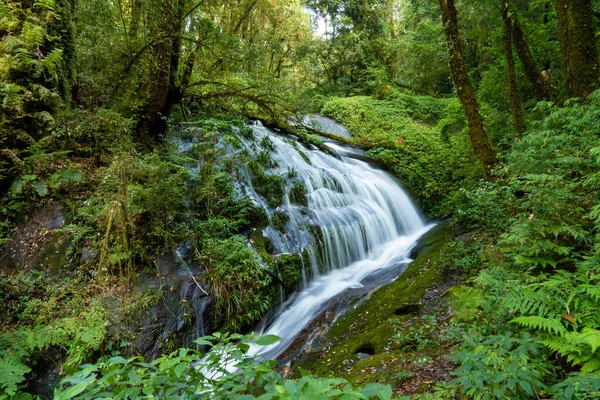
543,87
464,88
516,106
166,19
578,46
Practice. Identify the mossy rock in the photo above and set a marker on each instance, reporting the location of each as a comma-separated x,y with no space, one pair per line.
257,217
371,324
290,271
271,187
262,245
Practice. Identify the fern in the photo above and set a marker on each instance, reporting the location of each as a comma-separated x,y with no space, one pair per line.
591,337
524,300
52,63
48,5
541,323
12,374
34,35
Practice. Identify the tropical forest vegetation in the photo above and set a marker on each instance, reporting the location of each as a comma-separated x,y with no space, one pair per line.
176,176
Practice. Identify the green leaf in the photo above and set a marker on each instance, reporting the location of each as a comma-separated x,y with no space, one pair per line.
267,340
40,188
71,392
179,369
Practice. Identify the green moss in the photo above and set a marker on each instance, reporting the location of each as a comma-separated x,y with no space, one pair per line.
271,187
304,156
298,194
265,160
267,143
262,245
372,323
256,217
243,289
280,221
290,271
405,133
54,255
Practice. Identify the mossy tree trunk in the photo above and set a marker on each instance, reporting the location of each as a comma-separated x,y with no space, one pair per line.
578,46
514,97
465,89
542,85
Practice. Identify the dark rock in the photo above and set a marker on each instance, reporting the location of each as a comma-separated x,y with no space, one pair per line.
38,243
411,308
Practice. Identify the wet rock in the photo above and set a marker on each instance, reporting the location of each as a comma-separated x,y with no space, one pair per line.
38,243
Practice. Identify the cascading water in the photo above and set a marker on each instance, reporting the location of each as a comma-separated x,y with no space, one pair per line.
357,221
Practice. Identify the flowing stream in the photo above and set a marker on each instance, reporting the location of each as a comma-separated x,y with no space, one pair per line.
357,221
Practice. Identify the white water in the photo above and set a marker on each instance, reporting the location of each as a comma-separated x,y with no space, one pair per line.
366,221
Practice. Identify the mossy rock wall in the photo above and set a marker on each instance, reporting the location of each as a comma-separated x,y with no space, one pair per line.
342,352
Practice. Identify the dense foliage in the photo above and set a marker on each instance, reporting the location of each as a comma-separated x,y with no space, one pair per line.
225,372
116,119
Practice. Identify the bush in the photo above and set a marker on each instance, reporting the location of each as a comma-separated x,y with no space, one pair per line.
402,133
242,287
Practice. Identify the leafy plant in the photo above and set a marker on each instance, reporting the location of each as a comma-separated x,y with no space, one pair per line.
225,372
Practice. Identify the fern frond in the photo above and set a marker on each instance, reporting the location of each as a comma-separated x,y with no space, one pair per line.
52,63
560,345
33,34
589,336
12,373
591,366
541,323
593,291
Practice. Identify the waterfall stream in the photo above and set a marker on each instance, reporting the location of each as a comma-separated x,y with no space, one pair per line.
357,220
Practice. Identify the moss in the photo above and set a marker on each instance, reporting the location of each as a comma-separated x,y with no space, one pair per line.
271,187
262,245
267,143
265,160
298,194
54,256
290,271
280,221
372,322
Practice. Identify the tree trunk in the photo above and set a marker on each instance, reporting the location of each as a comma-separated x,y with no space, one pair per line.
578,46
543,87
175,91
516,106
464,88
136,11
165,19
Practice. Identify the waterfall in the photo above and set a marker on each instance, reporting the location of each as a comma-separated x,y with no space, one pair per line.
357,220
